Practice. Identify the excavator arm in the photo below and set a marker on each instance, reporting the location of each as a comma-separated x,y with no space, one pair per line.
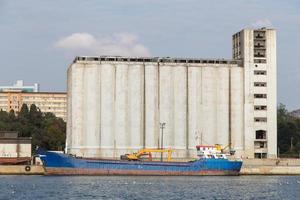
136,156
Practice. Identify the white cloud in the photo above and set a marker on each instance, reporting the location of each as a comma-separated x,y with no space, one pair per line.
262,23
121,44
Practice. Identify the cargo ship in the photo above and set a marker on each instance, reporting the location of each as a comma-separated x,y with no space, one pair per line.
208,162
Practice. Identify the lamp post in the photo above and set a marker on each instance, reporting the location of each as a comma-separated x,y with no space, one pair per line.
162,126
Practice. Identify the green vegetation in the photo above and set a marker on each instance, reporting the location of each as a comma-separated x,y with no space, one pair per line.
288,127
46,130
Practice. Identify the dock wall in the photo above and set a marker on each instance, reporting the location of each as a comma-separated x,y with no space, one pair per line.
20,170
271,167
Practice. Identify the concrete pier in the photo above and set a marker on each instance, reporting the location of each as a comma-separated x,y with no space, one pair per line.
20,170
271,167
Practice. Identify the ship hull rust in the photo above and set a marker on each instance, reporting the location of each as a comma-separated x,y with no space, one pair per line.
92,172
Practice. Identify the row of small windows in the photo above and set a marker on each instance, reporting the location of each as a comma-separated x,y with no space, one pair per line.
45,98
259,34
259,45
259,53
260,84
260,119
260,72
46,103
260,96
260,107
260,61
260,155
260,145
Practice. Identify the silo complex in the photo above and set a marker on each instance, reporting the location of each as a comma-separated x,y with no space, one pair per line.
116,105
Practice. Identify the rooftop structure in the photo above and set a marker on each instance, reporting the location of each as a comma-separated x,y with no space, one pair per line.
19,86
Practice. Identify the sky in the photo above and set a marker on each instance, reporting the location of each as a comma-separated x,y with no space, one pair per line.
40,38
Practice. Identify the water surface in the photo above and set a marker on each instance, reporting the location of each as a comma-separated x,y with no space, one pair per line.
155,187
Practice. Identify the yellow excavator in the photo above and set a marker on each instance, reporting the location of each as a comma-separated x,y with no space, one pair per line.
223,149
146,152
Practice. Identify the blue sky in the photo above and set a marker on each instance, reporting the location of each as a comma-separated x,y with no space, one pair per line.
39,39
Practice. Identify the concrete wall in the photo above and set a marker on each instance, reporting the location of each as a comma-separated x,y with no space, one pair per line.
116,107
15,150
271,167
20,170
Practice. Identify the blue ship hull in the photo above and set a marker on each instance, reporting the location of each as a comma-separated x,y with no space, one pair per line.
63,164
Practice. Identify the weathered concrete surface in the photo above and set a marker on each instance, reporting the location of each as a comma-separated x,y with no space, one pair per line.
271,167
270,170
20,170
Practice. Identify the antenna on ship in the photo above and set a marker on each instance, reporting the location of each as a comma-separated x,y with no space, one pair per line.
162,126
197,137
201,138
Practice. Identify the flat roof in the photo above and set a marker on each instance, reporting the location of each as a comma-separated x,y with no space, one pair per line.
155,59
34,93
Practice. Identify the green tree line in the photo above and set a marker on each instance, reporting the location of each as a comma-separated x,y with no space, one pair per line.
288,133
45,129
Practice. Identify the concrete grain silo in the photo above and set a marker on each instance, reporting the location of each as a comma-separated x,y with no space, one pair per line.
115,104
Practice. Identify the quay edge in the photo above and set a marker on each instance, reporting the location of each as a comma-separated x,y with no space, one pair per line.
22,170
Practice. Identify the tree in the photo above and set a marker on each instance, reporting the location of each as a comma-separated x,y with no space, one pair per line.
47,131
288,132
35,115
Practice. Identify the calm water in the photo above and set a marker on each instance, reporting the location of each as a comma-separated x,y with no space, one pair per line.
103,187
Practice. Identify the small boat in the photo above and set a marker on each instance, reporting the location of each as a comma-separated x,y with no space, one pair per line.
209,162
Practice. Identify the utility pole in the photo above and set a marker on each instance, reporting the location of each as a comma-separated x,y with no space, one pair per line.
162,126
291,144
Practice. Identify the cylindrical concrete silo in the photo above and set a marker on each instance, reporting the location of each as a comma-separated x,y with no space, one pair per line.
108,86
237,106
180,108
151,106
76,113
91,110
209,105
69,109
194,108
135,134
121,108
222,122
166,104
